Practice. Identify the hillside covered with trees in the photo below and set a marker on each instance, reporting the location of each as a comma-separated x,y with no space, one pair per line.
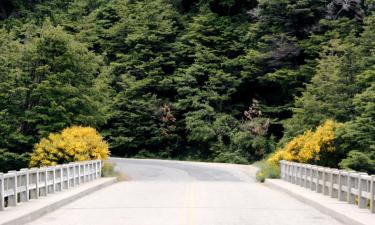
213,80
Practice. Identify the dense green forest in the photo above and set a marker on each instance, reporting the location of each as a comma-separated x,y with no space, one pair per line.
213,80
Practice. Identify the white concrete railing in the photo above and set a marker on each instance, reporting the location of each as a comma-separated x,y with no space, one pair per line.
26,184
353,187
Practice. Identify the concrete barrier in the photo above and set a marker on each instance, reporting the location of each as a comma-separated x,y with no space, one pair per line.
21,186
353,187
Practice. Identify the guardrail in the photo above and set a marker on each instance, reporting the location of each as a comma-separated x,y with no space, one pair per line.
353,187
21,186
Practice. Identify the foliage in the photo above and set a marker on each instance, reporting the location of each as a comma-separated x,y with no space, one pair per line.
267,170
13,161
260,176
50,82
140,51
108,169
359,161
72,144
223,80
330,93
312,146
230,157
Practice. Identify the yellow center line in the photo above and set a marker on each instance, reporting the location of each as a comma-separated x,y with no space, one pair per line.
189,218
191,207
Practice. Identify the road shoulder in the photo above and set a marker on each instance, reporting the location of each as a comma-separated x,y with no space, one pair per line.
342,211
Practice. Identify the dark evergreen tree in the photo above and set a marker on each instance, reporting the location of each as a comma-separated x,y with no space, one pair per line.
56,82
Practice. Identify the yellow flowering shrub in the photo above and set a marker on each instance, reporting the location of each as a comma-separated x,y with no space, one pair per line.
309,145
72,144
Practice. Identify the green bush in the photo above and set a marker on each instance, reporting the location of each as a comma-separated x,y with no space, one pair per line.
260,176
109,170
13,161
230,157
267,170
359,161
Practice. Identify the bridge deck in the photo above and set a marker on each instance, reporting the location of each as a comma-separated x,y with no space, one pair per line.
185,193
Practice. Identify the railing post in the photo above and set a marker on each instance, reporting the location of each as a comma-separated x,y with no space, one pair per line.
286,171
24,180
79,174
326,177
362,187
97,167
50,174
291,169
75,172
69,182
301,176
290,172
281,169
318,186
64,173
61,178
306,172
351,184
335,180
100,168
298,175
91,171
13,199
295,175
96,170
34,180
2,197
372,193
334,177
341,196
43,191
312,177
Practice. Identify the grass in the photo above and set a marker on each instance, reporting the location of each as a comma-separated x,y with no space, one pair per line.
109,170
266,171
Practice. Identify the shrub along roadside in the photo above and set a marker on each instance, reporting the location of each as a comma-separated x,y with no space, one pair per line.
72,144
109,170
317,147
313,146
267,170
13,161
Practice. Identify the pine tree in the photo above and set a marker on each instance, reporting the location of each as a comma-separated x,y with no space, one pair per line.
141,52
331,91
58,84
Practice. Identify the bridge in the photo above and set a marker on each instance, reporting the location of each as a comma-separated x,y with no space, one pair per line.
162,192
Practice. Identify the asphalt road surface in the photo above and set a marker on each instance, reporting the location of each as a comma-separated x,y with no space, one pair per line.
186,193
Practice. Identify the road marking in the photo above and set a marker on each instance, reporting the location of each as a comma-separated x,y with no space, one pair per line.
192,204
189,218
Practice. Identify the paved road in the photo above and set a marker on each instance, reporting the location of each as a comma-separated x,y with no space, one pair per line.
186,193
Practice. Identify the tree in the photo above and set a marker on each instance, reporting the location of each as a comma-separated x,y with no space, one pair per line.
330,93
141,52
57,83
350,7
